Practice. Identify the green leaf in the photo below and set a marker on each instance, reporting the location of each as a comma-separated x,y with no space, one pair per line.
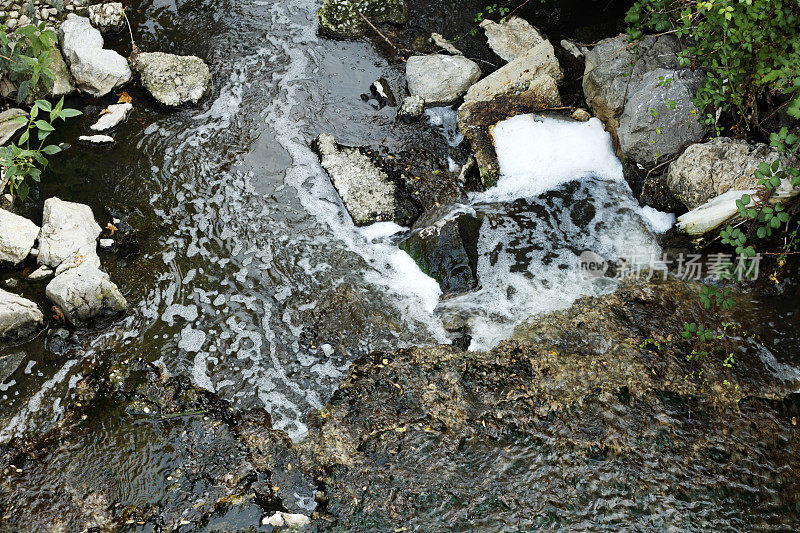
68,113
51,149
44,126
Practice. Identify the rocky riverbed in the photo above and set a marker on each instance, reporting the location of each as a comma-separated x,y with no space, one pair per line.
326,273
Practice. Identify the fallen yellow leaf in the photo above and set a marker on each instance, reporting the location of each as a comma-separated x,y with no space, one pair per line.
124,98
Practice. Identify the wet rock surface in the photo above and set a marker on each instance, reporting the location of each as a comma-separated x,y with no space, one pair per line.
173,80
446,250
345,18
9,126
596,396
66,228
706,170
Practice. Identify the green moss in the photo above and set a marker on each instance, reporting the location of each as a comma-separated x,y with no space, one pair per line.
340,18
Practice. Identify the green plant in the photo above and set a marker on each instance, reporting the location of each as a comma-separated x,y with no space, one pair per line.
748,49
22,163
25,58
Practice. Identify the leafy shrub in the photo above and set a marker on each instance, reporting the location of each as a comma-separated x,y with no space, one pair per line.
20,161
25,58
749,48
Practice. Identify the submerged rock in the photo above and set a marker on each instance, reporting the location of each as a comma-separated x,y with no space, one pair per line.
660,118
97,71
440,79
19,317
707,170
8,126
343,18
412,107
471,440
67,227
17,237
112,116
173,80
108,18
512,37
614,65
447,251
84,293
9,364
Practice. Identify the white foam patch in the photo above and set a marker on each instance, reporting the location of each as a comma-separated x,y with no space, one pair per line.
537,154
658,221
381,230
445,119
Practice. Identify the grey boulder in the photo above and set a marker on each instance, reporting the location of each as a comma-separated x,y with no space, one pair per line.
84,293
511,38
17,236
96,70
19,317
440,79
660,118
612,67
67,228
173,80
707,170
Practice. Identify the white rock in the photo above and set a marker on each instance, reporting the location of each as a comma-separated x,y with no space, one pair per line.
19,317
444,44
440,79
295,520
84,293
116,114
107,17
97,71
40,273
86,254
173,80
67,227
517,76
511,38
17,236
106,244
275,520
412,107
96,139
576,51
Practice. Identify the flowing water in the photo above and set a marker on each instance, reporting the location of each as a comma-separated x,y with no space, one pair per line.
252,279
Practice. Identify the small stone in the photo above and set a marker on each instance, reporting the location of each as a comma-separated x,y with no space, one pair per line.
511,38
412,107
40,273
295,519
173,80
275,520
107,244
19,317
444,44
84,293
440,79
96,139
112,116
581,115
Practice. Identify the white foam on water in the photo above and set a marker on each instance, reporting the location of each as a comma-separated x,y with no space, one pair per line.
537,154
658,221
574,198
381,230
445,119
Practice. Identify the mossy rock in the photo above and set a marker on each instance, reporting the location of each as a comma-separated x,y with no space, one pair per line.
340,18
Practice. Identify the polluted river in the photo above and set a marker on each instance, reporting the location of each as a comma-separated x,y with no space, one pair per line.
275,357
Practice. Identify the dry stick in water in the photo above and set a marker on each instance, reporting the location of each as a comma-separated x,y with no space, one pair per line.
134,48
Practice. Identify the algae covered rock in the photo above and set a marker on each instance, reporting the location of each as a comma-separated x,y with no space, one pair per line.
173,80
343,18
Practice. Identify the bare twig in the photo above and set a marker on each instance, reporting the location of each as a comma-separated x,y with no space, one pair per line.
385,38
